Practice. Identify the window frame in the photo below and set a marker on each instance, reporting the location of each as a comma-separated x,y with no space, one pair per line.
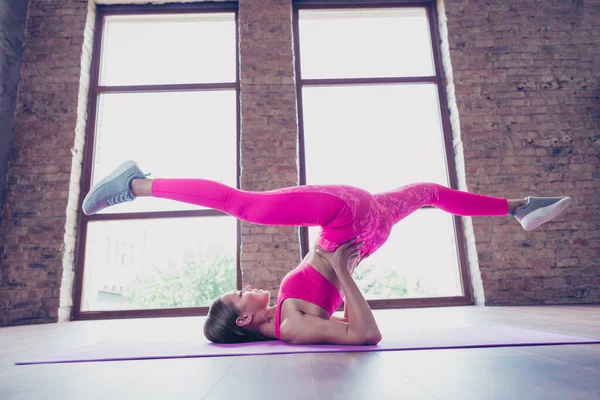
95,91
438,79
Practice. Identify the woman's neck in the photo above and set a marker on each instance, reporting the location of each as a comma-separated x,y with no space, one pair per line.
267,325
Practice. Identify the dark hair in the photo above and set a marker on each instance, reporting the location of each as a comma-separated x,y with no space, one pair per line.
220,326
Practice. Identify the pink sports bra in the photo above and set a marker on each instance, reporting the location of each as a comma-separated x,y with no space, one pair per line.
306,283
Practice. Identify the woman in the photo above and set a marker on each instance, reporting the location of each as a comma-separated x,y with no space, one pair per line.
354,225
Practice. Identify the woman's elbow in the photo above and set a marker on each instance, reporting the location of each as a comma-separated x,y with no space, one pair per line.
372,338
364,336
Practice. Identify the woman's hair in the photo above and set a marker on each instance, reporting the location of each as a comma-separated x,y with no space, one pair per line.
220,326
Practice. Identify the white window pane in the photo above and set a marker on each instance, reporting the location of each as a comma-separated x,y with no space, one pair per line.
164,263
418,260
168,49
365,43
374,137
380,137
171,135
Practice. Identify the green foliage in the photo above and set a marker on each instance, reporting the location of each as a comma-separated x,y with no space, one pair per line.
379,283
208,272
203,275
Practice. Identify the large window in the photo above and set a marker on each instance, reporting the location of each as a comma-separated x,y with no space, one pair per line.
165,94
370,98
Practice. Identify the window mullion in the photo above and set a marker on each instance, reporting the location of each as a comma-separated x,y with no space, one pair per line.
366,81
166,88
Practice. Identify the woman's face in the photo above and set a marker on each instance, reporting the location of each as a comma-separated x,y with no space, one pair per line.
248,300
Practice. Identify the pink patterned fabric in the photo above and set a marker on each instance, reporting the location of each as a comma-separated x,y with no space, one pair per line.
342,212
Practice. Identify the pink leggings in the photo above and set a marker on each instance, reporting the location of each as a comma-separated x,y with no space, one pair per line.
342,212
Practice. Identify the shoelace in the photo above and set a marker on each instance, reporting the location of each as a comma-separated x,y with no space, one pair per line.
119,198
123,197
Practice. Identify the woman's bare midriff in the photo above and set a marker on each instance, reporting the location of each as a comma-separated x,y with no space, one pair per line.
323,268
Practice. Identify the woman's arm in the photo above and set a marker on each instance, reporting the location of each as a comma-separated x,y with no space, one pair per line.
361,322
345,308
300,328
339,319
345,317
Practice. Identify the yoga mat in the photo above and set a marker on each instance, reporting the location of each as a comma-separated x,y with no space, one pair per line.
417,339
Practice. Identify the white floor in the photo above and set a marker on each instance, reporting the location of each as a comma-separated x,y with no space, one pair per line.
544,372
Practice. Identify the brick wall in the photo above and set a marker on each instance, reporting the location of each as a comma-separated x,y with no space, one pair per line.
12,27
525,88
269,134
42,186
527,85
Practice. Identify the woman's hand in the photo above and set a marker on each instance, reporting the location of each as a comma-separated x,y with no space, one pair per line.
344,257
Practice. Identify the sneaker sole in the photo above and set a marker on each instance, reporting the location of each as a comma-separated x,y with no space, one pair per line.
540,217
118,171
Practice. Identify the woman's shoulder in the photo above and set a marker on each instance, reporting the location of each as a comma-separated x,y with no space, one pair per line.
286,328
292,326
290,318
295,315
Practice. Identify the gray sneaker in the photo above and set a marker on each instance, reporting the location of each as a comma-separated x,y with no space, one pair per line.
540,210
114,189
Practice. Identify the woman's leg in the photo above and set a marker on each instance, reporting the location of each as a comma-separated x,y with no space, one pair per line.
323,206
407,199
295,206
530,212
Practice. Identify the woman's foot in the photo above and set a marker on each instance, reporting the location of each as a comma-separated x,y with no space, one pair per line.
540,210
113,189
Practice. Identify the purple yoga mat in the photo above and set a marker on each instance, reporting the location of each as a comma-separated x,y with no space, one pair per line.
439,338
